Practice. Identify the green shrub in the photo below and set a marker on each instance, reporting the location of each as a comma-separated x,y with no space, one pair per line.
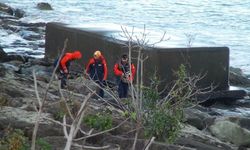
99,121
43,145
59,115
14,140
162,118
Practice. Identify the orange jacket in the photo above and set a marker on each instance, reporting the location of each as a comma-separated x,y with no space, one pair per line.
120,69
92,69
67,58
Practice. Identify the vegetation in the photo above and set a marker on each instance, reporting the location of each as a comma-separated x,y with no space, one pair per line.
14,140
43,144
99,121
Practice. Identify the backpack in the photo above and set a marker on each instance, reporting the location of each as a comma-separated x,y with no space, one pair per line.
55,63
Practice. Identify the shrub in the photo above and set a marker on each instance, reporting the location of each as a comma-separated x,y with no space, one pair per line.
99,121
162,117
15,140
43,144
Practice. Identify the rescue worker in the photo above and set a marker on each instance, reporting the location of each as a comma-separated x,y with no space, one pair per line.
122,71
64,65
97,70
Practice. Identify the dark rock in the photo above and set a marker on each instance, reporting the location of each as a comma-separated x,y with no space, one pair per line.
44,6
7,70
7,9
11,11
237,78
226,97
19,13
15,57
3,55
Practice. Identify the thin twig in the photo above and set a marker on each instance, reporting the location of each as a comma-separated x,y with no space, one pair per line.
33,142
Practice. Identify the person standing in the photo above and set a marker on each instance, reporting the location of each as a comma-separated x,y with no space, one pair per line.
122,72
97,70
64,65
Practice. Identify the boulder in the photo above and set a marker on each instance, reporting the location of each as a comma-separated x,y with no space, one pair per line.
227,130
197,118
25,120
7,9
192,137
127,143
44,6
237,78
11,11
19,13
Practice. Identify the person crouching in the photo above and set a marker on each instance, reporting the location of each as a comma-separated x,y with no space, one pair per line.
64,65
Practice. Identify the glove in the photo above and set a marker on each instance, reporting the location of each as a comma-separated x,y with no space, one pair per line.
66,71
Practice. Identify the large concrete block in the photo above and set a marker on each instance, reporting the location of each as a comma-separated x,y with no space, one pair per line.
212,61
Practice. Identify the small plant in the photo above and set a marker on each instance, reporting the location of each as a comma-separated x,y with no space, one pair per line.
3,101
43,144
14,140
99,121
59,115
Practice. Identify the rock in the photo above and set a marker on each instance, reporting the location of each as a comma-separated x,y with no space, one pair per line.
226,130
127,143
19,13
44,6
237,78
11,11
7,9
3,55
226,97
29,35
197,118
42,73
7,70
25,120
192,137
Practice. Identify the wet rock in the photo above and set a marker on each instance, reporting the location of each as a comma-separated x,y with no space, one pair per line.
227,130
3,55
237,78
5,8
226,97
16,57
19,13
44,6
11,11
29,35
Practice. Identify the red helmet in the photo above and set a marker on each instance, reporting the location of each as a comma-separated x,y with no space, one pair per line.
77,54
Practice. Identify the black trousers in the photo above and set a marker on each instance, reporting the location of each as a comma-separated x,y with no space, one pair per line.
123,89
63,77
100,89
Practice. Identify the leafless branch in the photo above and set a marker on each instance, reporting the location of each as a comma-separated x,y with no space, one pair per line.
33,143
150,142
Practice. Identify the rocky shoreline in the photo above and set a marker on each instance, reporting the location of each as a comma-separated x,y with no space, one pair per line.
217,127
